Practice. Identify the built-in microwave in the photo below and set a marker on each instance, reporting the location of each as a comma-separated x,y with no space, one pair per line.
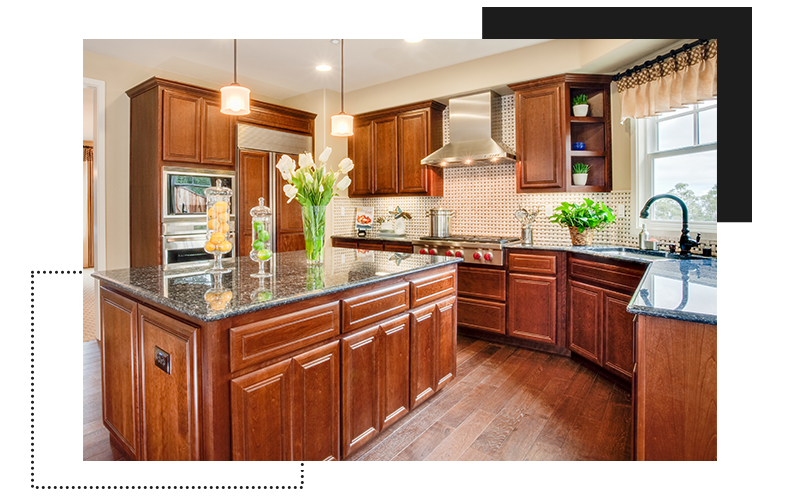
183,190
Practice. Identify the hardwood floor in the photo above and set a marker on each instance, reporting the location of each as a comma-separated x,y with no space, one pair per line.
506,403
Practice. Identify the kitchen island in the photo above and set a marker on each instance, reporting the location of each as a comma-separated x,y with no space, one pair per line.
309,363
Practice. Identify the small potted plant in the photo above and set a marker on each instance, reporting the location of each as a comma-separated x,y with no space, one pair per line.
583,219
580,105
580,171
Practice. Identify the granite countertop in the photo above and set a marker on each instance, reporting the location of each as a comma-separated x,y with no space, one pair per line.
672,287
185,289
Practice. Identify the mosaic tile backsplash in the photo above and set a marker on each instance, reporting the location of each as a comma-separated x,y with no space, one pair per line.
485,198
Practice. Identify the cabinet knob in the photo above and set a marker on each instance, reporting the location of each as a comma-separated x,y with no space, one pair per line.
477,256
488,256
423,252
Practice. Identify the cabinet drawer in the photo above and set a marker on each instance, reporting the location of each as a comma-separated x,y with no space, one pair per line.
372,307
532,263
344,243
273,337
482,283
398,247
370,245
431,288
618,276
482,314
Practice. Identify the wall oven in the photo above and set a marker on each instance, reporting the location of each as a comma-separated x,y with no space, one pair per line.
183,202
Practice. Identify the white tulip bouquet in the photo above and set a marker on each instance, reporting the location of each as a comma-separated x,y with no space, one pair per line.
313,186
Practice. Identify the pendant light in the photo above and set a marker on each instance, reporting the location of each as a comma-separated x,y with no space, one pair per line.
342,124
235,98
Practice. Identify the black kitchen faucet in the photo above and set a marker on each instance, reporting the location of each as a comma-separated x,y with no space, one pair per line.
685,242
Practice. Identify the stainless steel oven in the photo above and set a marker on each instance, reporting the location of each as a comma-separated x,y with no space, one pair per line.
183,228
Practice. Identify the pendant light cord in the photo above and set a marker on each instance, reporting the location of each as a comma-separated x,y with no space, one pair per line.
234,60
342,86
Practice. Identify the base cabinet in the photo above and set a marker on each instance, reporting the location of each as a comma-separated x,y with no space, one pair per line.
290,410
433,349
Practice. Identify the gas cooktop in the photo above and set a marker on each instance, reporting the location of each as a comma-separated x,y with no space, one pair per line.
499,240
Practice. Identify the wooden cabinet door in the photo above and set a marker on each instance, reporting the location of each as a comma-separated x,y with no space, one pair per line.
359,147
170,372
532,307
261,414
181,127
384,143
218,135
253,182
374,381
316,404
432,348
584,322
540,145
617,334
288,219
413,146
119,362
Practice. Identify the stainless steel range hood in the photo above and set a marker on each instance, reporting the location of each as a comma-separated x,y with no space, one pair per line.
475,134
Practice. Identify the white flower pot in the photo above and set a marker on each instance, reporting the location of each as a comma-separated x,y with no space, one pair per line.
579,179
580,109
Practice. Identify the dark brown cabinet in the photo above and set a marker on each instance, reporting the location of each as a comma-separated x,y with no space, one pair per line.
547,130
599,327
433,349
180,125
375,390
533,307
482,299
385,246
387,147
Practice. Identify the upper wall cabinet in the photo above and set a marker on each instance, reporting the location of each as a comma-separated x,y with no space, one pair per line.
195,131
547,132
387,147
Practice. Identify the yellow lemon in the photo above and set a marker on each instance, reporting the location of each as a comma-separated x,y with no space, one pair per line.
212,213
214,223
227,295
216,238
221,206
224,217
225,246
224,228
210,247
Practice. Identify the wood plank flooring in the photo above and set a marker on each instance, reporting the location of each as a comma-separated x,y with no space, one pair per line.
506,403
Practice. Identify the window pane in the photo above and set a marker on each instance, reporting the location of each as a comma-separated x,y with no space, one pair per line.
690,177
676,133
708,126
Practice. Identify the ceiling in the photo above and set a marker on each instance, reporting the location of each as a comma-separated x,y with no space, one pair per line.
285,68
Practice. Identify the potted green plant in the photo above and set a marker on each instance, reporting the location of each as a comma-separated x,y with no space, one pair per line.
583,219
580,171
580,105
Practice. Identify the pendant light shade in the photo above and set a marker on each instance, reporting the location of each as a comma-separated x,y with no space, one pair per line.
342,123
235,98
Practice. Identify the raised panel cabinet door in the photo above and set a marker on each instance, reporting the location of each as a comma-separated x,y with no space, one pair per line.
393,370
118,323
540,145
288,218
422,353
181,127
384,140
316,402
617,334
361,381
532,307
360,148
584,323
445,341
170,381
253,182
218,135
413,146
261,414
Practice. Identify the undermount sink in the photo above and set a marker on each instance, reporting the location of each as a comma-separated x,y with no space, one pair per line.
644,254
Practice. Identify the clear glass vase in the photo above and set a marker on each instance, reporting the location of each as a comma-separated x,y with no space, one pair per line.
314,232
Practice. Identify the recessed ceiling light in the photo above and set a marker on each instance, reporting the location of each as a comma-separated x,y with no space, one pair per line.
335,41
323,67
413,40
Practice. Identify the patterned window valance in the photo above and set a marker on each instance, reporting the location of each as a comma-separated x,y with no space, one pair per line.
671,81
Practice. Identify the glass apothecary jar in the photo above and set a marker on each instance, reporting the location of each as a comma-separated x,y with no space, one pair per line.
218,211
261,249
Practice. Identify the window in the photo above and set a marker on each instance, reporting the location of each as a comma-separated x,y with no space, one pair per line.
676,153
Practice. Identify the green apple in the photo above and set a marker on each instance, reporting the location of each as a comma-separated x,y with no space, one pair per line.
264,254
263,236
258,245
